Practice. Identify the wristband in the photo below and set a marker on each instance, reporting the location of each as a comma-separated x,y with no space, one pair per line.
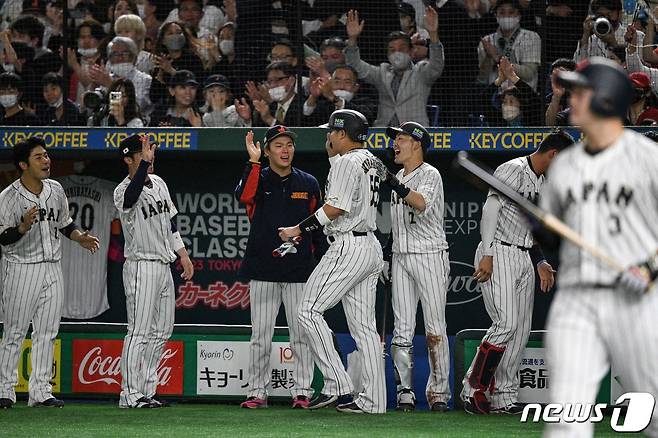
398,187
315,221
651,267
177,241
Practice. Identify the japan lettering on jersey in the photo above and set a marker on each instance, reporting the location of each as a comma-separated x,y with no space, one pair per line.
147,224
611,200
353,186
415,231
512,227
42,243
91,207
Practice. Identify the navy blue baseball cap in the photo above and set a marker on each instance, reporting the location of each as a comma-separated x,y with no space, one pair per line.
277,131
130,145
415,130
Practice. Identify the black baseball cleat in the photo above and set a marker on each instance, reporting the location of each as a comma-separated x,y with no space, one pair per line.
440,407
322,401
143,403
478,404
351,408
162,403
52,402
6,403
511,409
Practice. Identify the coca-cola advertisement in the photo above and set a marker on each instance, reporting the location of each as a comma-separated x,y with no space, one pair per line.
97,367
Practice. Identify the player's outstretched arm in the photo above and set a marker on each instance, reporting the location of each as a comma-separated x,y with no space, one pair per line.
411,197
84,239
323,216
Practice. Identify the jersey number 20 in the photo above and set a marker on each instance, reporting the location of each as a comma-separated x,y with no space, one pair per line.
86,215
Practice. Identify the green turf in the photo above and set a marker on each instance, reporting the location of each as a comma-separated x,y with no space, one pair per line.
86,419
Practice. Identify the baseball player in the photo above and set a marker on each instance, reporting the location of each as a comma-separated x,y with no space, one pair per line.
348,271
152,242
278,194
420,266
33,213
91,207
606,189
505,261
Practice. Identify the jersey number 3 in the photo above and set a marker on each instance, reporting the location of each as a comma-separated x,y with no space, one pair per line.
374,190
86,215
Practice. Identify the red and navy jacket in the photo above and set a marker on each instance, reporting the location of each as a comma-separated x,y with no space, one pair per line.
273,201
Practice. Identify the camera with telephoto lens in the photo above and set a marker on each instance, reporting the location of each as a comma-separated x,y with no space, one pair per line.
96,103
602,27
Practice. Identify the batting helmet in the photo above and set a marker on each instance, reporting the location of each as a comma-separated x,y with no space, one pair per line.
352,122
612,88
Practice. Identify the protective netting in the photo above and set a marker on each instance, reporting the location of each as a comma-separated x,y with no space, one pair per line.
261,62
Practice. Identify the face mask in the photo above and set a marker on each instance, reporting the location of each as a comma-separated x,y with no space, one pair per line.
227,47
344,94
508,23
140,11
174,43
330,65
88,53
123,69
8,100
510,112
57,103
399,60
8,67
278,93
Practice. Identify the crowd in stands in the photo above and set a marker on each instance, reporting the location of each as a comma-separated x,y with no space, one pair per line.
240,63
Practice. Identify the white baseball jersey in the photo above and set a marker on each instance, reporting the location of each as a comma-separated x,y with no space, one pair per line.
512,227
91,207
147,225
414,231
611,199
353,186
42,242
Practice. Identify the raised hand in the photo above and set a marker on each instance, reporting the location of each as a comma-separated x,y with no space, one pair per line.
431,19
491,50
253,150
193,117
242,108
353,26
262,107
316,65
148,149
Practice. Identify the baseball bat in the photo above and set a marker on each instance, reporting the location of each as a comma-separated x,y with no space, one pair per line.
546,219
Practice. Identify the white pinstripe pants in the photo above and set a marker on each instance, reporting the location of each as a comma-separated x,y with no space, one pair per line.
508,297
348,274
424,278
265,300
590,329
32,293
150,304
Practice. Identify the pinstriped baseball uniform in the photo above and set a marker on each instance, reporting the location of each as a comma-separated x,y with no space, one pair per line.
32,280
348,273
611,200
420,270
149,286
91,207
509,293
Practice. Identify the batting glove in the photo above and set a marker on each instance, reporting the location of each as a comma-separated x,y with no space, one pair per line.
634,280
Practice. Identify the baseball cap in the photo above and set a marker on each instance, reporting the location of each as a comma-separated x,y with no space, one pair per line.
277,131
415,130
640,80
130,145
216,80
183,77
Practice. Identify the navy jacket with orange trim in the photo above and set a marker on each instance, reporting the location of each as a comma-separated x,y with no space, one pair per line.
273,202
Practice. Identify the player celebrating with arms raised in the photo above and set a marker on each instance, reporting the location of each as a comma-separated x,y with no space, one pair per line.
606,189
276,195
420,266
506,260
348,271
34,212
152,242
